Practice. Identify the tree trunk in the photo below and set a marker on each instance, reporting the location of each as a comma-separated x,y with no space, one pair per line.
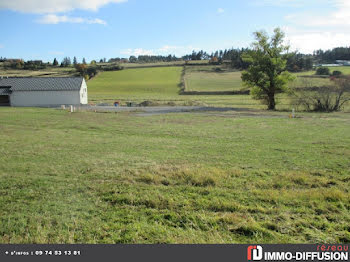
272,102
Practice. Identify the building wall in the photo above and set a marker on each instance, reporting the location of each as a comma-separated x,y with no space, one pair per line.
83,93
45,98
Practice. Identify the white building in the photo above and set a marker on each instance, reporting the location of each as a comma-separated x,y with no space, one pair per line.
343,62
43,92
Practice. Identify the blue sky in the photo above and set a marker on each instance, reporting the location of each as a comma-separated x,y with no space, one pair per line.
45,29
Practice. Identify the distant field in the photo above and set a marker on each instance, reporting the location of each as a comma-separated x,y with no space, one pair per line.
159,82
164,64
301,81
49,72
344,69
142,83
160,85
205,81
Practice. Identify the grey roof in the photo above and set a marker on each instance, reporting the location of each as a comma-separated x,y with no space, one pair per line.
42,84
5,91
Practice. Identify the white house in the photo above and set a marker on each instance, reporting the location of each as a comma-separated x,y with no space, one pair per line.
43,92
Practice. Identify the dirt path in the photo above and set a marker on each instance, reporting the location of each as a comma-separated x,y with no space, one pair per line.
218,111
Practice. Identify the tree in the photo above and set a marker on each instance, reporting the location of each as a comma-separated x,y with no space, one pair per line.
133,59
55,62
66,62
84,61
214,61
81,69
337,73
323,71
267,75
75,61
91,71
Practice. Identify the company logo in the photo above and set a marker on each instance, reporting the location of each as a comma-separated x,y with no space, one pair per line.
323,253
255,253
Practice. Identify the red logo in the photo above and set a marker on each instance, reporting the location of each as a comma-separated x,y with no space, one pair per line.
255,253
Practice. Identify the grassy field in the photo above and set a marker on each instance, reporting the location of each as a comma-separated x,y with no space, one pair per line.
49,72
213,81
164,64
136,84
234,177
160,85
344,69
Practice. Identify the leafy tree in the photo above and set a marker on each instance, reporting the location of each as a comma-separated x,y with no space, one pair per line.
267,75
55,62
337,73
34,65
214,61
81,69
66,62
133,59
330,56
323,71
91,71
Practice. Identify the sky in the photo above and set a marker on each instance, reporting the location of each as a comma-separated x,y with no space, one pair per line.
95,29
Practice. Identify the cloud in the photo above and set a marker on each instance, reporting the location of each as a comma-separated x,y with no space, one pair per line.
220,10
288,3
308,31
54,6
168,48
339,17
176,50
309,41
56,53
164,50
56,19
179,50
137,52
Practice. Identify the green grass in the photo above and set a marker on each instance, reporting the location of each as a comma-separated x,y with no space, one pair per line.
164,64
48,72
160,84
204,81
344,69
142,83
234,177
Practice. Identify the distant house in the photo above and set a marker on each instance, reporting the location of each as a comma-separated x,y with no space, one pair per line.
328,65
343,62
43,92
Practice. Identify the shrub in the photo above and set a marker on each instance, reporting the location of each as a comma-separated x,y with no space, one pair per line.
337,73
91,71
322,71
112,68
325,98
214,61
